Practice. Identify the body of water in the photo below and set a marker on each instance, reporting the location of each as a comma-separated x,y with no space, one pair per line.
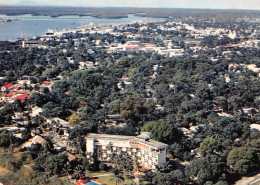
91,183
39,25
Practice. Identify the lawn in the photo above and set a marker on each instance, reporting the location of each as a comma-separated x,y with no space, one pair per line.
104,178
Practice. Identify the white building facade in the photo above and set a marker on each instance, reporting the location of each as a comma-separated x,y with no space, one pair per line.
150,153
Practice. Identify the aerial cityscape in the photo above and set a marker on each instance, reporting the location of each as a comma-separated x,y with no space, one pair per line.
135,93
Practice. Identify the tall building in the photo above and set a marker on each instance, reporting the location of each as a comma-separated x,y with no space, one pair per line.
150,153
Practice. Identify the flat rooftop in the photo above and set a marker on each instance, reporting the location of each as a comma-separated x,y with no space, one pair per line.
109,137
151,143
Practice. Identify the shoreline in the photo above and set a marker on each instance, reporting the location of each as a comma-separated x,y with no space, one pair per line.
99,16
58,23
7,20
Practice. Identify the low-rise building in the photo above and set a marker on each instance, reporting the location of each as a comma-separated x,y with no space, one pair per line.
7,87
150,153
86,65
129,48
31,43
11,97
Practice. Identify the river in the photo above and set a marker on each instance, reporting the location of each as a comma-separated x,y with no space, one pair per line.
38,25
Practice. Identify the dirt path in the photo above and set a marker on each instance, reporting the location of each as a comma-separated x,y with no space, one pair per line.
3,171
255,180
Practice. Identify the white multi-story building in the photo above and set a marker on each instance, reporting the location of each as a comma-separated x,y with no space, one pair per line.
150,153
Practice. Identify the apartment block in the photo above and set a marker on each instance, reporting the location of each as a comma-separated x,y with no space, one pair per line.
150,153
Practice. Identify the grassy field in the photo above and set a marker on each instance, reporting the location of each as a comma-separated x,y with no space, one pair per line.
104,178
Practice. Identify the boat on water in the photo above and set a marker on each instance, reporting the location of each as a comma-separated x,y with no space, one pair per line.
51,31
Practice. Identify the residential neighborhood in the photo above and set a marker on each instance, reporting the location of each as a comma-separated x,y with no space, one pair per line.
152,102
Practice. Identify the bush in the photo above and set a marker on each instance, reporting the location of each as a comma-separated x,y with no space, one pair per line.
10,162
103,167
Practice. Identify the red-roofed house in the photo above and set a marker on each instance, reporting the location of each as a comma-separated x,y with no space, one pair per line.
131,48
6,87
7,97
45,82
153,76
10,94
148,44
22,97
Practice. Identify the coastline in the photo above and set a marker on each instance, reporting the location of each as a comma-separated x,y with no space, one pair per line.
7,20
36,25
75,14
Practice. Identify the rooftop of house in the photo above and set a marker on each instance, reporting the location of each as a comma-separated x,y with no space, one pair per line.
46,82
39,139
150,44
60,121
36,111
71,157
255,126
131,47
8,85
9,95
22,97
11,129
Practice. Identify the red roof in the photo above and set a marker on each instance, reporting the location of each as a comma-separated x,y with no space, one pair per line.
45,82
9,95
22,97
8,85
131,47
148,44
151,76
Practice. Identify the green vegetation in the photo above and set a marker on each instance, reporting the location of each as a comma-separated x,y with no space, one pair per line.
244,160
5,137
201,107
209,146
28,176
163,131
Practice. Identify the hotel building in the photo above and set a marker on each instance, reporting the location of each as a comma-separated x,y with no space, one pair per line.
150,153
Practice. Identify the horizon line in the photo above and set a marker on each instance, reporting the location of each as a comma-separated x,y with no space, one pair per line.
234,9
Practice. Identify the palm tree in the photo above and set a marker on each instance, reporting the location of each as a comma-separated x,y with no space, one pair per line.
165,168
79,171
136,163
116,161
117,176
126,163
110,147
67,171
100,154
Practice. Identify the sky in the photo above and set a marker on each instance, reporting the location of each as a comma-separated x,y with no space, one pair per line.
211,4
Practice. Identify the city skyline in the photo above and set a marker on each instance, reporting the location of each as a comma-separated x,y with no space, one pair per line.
203,4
